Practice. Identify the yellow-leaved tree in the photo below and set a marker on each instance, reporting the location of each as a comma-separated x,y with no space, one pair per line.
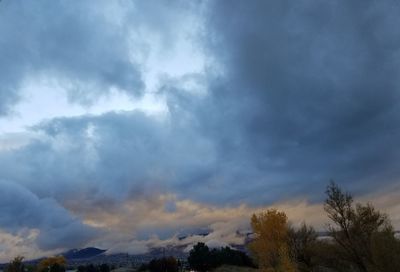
270,245
52,264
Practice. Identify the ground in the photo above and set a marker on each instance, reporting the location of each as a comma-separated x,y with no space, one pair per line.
229,268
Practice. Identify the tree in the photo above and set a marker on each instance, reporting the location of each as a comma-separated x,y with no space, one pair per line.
16,265
302,244
358,230
56,268
81,268
104,268
52,264
91,268
386,251
168,264
229,256
199,257
270,245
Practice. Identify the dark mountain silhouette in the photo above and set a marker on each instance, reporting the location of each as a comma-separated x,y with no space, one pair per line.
84,253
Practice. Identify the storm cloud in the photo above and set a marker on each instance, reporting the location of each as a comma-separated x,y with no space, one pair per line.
291,95
309,90
74,44
21,209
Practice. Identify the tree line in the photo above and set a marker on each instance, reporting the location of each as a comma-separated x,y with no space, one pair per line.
51,264
360,239
201,258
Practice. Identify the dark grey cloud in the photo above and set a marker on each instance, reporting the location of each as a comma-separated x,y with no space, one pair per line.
309,91
58,228
75,44
304,92
115,155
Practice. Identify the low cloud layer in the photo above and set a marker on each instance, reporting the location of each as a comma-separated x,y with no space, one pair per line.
23,211
290,96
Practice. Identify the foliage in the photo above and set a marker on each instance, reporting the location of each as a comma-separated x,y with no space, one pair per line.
169,264
93,268
361,233
271,243
228,256
30,267
361,239
201,258
16,265
385,252
302,244
52,264
104,268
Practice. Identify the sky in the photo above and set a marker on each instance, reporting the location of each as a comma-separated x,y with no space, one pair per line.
127,124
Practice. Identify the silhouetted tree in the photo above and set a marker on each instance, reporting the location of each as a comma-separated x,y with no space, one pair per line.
229,256
360,232
94,268
16,265
386,251
57,268
104,268
199,257
91,268
302,243
81,268
169,264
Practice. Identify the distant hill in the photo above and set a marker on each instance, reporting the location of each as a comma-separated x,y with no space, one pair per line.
86,253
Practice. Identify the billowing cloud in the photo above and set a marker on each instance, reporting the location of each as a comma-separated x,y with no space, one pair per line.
56,228
80,47
90,48
22,243
305,92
